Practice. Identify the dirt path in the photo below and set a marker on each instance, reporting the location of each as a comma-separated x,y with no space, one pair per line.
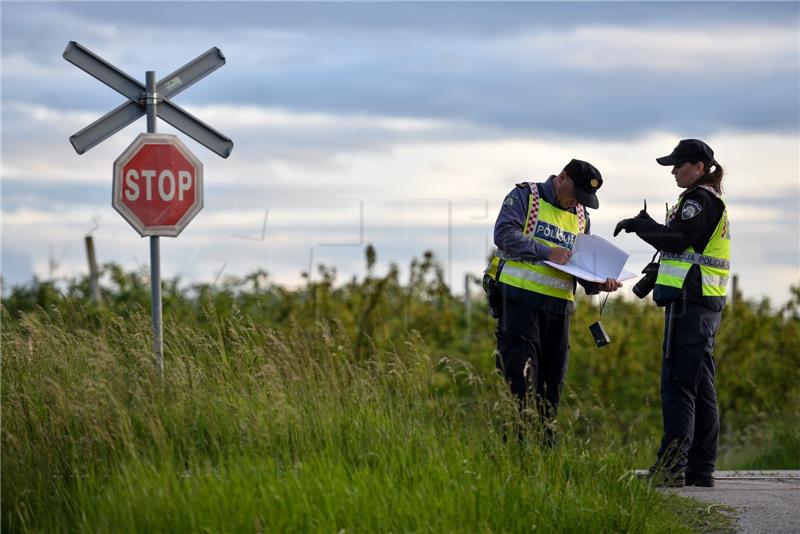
764,501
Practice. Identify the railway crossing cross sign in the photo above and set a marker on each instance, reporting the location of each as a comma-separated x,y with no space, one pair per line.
158,183
136,106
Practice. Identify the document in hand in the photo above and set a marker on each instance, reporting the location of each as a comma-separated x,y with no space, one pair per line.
594,259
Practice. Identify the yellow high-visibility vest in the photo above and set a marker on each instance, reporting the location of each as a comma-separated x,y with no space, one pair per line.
714,260
551,226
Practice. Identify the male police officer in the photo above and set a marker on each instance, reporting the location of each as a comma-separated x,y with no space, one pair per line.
533,301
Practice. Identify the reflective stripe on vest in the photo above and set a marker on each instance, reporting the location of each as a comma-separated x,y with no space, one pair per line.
515,270
552,226
714,261
715,280
678,271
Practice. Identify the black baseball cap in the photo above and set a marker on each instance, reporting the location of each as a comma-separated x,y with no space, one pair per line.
587,181
691,150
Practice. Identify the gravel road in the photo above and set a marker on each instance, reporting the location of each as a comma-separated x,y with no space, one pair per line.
764,501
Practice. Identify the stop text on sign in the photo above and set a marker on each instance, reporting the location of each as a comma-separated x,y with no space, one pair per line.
158,185
167,184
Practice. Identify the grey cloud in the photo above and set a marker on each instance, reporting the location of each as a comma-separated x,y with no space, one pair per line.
764,249
423,60
47,195
450,17
51,195
550,101
17,267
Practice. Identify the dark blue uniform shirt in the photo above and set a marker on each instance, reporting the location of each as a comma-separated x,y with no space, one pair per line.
509,238
683,232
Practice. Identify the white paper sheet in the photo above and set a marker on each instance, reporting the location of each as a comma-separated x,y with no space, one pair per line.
594,259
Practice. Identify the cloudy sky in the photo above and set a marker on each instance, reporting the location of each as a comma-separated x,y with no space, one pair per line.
403,125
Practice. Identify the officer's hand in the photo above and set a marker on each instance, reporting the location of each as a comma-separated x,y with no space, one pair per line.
643,216
559,255
634,224
610,285
625,224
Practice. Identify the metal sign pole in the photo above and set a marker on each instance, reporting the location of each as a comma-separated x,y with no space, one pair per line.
151,103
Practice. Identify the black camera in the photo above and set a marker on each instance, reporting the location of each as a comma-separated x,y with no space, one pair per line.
644,286
599,334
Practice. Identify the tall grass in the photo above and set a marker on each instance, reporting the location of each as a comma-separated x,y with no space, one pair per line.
281,433
365,406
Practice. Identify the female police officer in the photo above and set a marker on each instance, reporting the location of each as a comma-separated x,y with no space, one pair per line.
694,247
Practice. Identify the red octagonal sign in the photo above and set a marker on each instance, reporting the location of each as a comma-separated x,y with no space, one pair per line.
158,185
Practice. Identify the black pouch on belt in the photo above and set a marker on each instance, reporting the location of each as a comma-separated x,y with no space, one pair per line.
492,297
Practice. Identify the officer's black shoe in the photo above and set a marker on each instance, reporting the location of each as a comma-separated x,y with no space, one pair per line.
705,480
669,480
664,479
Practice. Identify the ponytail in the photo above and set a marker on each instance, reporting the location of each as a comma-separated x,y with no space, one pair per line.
713,178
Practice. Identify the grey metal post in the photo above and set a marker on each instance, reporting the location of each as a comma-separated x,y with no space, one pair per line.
734,290
450,245
151,102
94,286
468,304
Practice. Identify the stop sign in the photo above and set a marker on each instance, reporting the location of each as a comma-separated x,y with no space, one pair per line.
158,185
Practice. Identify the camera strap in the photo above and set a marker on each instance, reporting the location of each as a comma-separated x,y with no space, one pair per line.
604,303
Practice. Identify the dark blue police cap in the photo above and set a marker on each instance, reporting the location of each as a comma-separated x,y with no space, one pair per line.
587,181
689,150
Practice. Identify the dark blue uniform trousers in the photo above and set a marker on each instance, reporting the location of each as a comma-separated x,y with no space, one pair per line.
688,396
532,354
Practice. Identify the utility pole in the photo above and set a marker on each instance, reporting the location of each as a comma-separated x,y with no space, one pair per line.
94,274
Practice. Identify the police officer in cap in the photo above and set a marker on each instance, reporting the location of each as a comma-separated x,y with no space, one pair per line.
690,282
531,300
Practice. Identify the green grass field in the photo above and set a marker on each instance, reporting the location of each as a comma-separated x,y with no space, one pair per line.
361,406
